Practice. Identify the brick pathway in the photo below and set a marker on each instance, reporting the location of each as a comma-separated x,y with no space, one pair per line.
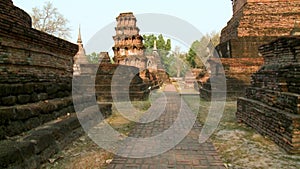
189,153
170,88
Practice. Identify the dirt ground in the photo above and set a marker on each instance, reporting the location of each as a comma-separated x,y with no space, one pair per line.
238,145
83,153
241,147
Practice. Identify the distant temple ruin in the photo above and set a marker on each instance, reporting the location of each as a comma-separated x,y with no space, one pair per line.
128,41
80,57
129,48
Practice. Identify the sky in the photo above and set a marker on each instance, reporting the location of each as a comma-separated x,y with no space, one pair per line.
94,15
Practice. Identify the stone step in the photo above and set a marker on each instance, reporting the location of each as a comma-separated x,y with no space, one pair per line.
286,101
278,124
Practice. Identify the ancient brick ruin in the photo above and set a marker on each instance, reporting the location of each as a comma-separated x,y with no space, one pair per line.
254,23
129,50
128,41
80,57
104,75
257,22
237,72
122,82
35,88
111,80
271,104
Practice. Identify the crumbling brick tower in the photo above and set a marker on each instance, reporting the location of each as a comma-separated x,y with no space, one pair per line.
128,41
254,23
129,51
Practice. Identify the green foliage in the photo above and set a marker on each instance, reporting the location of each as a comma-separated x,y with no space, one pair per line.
149,41
191,56
198,51
163,46
93,57
175,63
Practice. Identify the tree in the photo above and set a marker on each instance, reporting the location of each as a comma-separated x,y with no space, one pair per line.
93,57
198,51
163,47
149,41
214,37
49,20
179,62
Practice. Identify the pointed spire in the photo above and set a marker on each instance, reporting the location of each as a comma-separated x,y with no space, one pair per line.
154,46
154,51
296,30
79,36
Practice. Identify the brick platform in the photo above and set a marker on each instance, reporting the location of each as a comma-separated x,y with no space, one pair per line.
271,105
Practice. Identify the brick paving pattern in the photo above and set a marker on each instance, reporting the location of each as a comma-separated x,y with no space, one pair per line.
188,154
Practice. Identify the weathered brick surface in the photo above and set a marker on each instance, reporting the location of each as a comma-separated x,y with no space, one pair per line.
31,62
154,78
271,104
20,118
35,70
37,146
31,148
122,82
35,92
14,14
238,76
125,81
256,22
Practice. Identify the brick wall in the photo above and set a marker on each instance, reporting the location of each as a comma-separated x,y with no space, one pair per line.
257,22
14,14
37,116
238,76
122,82
271,104
35,73
254,23
263,18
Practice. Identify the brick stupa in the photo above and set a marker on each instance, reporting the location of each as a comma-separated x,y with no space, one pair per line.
254,23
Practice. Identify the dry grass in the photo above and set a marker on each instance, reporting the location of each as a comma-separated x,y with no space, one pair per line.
83,153
240,146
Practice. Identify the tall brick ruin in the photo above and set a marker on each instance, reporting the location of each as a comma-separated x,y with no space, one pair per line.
257,22
128,41
272,103
35,88
129,50
254,23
